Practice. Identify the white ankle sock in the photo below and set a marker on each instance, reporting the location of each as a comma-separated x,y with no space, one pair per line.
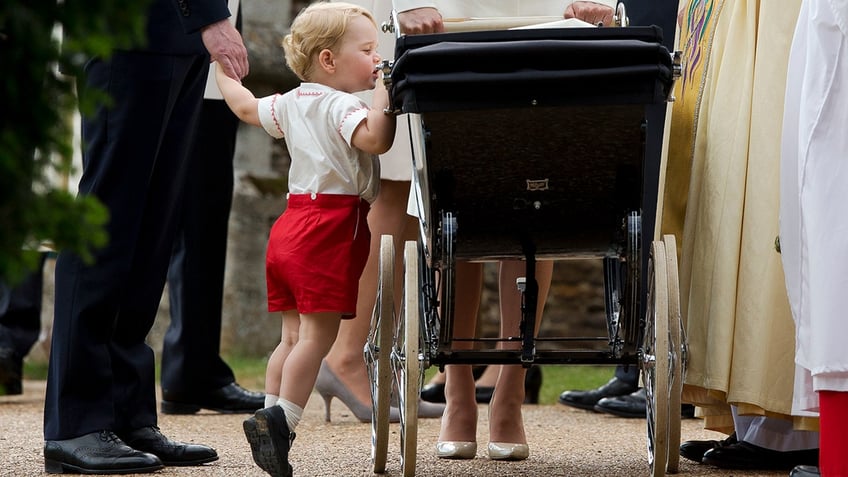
271,400
293,413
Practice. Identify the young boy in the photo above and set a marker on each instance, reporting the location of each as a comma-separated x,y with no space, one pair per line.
318,247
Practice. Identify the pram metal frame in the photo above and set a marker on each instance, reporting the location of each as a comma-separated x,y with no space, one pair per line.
641,332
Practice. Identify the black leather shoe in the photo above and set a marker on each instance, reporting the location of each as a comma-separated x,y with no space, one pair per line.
630,405
270,440
746,456
97,453
151,440
694,450
230,399
483,394
805,471
588,399
433,392
532,385
11,372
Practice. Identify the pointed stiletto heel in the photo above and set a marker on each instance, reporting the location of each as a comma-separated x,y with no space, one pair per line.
328,398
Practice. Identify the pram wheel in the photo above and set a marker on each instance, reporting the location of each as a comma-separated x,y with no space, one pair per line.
676,352
656,360
377,359
406,359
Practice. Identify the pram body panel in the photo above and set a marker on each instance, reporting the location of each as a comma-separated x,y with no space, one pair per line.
530,137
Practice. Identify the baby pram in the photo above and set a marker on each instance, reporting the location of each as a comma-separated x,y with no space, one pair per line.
530,144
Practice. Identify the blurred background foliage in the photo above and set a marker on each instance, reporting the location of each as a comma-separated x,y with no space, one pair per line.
37,106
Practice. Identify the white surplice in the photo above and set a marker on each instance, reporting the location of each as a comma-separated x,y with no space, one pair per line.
814,198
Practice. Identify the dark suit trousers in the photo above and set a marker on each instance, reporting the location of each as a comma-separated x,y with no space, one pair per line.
191,363
20,322
135,160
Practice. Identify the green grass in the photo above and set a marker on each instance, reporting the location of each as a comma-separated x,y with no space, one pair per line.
250,373
556,379
35,370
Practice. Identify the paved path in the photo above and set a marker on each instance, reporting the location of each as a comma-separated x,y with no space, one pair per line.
563,442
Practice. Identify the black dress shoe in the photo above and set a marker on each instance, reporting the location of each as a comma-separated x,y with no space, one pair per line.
694,450
588,399
97,453
483,394
805,471
745,456
151,440
11,372
270,440
532,385
630,405
230,399
433,392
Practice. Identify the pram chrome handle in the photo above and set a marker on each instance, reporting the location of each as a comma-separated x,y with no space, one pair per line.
620,18
385,67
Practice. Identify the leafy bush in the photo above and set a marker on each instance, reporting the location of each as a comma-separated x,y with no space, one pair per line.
38,103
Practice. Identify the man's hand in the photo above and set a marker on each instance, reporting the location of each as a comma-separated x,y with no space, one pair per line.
590,12
226,46
420,20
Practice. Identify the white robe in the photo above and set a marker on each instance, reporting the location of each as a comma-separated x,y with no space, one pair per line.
814,198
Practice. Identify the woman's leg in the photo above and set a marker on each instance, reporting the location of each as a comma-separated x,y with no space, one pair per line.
387,216
459,421
505,421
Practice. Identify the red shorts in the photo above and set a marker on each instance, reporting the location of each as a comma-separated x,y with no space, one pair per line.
316,253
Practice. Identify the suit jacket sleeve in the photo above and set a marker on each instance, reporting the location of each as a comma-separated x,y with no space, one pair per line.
196,14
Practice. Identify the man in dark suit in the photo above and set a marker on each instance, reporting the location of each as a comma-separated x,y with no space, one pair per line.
194,376
100,407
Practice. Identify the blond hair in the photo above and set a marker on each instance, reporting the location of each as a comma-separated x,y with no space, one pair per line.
318,27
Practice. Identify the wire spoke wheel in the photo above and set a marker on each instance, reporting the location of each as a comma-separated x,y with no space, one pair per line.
377,355
675,328
655,360
406,360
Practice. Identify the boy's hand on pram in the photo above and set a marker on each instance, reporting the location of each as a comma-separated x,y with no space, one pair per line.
420,20
590,12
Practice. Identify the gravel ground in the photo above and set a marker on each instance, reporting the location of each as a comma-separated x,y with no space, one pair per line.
563,442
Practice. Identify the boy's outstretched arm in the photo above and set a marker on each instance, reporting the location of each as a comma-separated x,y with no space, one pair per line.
376,134
240,100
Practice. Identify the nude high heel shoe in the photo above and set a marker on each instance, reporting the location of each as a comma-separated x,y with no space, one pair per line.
329,386
456,450
508,451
